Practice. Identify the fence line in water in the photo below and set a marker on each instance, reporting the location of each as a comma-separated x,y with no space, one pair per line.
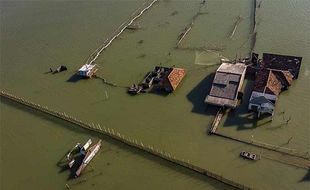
118,32
123,139
283,150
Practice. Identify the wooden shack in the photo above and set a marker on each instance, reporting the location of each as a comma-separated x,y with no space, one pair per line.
226,84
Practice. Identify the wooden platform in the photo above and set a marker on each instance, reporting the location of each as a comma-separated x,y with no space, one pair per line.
217,120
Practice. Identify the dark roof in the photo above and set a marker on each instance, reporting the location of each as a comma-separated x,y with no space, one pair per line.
224,87
272,81
267,82
282,62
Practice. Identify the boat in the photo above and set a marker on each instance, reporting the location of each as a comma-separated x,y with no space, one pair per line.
248,155
92,151
77,150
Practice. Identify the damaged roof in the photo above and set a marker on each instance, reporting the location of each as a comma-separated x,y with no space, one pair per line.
282,62
272,81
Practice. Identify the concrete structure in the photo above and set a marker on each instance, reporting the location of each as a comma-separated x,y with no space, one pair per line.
227,83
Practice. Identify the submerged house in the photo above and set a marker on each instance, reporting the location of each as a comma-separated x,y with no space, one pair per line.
171,79
226,85
161,78
276,74
87,70
282,63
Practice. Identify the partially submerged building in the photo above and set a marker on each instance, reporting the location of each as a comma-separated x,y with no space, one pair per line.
226,85
282,63
161,78
171,79
276,74
87,70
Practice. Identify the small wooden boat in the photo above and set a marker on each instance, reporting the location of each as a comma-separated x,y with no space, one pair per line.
248,155
90,154
77,150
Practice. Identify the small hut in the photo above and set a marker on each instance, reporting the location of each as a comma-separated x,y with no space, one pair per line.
87,70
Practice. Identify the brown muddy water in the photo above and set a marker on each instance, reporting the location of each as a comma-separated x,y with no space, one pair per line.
37,35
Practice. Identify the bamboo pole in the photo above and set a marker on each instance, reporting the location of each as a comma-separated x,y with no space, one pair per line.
239,19
119,31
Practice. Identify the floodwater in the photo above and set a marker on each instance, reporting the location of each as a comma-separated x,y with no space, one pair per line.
38,35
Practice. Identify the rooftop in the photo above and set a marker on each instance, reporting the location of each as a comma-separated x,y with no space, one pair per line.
175,77
272,81
226,83
282,62
237,68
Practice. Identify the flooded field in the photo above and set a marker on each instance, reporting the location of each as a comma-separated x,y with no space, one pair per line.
38,35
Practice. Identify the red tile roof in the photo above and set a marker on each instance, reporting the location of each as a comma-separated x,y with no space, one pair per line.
272,81
175,77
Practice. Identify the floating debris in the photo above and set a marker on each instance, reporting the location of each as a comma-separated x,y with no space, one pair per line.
140,41
106,95
142,55
58,70
133,26
188,28
174,13
239,19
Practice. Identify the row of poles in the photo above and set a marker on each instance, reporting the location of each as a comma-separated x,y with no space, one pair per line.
122,138
119,31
